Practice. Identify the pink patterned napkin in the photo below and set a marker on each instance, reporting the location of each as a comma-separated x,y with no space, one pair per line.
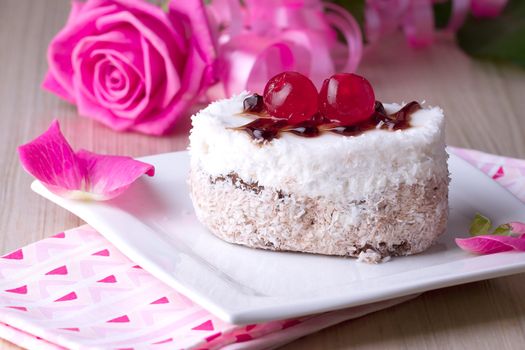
76,291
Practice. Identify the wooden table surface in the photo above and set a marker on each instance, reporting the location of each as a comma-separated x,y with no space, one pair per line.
484,103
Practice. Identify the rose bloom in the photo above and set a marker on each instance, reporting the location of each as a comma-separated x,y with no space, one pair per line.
129,64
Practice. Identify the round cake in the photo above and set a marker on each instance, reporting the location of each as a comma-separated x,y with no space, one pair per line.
371,193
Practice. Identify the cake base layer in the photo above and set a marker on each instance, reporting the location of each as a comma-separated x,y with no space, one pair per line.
397,221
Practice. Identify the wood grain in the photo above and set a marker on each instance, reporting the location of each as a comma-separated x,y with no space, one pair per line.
484,104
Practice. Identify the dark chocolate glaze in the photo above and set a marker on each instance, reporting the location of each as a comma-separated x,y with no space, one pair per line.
253,103
266,128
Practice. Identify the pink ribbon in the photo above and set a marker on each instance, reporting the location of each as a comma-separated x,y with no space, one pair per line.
261,39
257,39
418,23
487,8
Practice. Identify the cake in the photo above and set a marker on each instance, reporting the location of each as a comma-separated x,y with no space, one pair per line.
370,187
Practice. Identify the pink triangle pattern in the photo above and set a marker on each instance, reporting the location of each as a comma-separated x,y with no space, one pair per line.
119,319
205,326
62,270
130,311
108,279
72,329
499,173
212,337
143,310
18,290
67,297
103,252
20,308
16,255
243,337
162,300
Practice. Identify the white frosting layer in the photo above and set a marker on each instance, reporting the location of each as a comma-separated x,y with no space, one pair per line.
328,165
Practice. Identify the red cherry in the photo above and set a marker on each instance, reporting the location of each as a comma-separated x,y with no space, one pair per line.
292,96
347,98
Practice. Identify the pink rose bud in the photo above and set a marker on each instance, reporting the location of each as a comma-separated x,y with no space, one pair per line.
129,64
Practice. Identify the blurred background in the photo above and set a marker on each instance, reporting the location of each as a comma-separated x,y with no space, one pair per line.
471,66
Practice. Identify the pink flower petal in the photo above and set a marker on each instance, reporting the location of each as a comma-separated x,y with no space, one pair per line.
111,83
109,176
490,244
199,72
163,121
50,159
60,48
196,15
114,49
161,65
517,227
82,175
76,7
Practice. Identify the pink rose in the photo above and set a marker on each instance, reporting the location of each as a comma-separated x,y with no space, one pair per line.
129,64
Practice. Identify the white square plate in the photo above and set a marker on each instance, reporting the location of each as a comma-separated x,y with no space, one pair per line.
153,223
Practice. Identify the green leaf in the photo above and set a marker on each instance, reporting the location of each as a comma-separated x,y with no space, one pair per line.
502,230
501,38
480,225
165,6
442,13
355,7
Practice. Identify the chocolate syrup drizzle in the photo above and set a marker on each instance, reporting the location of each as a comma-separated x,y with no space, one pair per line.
266,128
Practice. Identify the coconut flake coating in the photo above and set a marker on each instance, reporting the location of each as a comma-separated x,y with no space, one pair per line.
398,221
379,194
328,165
